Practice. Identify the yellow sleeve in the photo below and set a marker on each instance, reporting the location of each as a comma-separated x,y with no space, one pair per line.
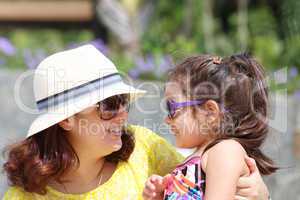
162,154
166,158
14,193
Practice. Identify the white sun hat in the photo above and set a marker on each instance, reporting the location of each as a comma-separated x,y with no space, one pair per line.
70,81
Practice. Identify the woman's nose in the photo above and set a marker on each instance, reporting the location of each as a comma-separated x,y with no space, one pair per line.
122,114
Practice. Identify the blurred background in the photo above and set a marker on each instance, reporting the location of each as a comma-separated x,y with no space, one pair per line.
145,38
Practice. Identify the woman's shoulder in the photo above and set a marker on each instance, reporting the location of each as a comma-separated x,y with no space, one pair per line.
161,154
144,134
136,129
149,139
17,193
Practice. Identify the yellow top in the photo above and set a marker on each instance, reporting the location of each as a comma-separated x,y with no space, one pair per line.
152,155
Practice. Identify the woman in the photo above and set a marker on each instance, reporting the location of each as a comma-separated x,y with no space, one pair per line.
80,148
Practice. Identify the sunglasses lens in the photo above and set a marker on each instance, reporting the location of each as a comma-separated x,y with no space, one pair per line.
170,110
109,107
107,115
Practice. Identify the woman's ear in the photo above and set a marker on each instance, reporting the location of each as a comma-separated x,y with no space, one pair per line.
67,124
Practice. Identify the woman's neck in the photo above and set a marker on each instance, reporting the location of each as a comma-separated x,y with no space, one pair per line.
88,170
90,162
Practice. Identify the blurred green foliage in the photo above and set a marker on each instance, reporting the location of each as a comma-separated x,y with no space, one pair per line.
178,29
31,46
261,37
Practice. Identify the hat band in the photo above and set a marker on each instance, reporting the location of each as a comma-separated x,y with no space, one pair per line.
78,91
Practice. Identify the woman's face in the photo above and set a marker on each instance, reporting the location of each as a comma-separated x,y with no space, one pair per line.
89,130
189,126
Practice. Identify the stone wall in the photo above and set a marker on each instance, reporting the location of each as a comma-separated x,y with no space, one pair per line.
285,184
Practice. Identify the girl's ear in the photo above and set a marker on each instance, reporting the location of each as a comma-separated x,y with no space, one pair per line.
212,111
67,124
212,107
212,114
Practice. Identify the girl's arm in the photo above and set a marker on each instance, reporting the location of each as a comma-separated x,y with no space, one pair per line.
223,164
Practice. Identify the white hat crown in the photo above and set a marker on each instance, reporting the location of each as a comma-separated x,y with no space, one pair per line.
68,69
67,82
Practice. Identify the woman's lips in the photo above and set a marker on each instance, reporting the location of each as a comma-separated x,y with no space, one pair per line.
116,132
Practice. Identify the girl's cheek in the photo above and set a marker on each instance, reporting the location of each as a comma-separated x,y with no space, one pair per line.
182,141
191,126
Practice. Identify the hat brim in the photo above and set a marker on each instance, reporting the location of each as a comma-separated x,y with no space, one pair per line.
70,108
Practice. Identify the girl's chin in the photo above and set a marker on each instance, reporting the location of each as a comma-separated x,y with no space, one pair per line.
181,144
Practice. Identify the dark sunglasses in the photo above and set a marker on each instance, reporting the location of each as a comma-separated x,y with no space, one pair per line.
173,106
110,107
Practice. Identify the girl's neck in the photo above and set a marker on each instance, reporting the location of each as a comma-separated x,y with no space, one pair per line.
200,149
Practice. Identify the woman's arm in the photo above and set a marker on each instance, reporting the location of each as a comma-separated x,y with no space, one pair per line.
253,186
223,164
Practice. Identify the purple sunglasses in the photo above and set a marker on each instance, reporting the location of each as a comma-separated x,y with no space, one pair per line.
173,106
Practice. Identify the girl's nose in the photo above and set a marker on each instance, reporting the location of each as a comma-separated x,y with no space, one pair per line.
167,120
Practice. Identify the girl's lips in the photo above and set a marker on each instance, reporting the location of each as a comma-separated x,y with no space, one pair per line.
174,131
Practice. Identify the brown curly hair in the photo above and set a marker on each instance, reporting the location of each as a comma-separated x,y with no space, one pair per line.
48,155
237,84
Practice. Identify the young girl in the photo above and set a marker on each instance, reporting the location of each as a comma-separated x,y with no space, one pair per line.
218,106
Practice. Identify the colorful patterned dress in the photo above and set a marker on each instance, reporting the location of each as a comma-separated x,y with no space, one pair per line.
187,182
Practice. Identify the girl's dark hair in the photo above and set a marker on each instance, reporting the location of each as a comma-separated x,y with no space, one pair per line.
47,155
237,84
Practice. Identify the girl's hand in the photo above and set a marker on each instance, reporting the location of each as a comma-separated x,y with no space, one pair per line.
252,187
155,186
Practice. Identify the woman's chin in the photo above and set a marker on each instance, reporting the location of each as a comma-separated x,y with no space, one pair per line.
117,145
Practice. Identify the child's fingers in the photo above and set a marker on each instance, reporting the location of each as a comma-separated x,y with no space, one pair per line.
155,186
166,180
161,182
149,190
148,194
150,186
156,179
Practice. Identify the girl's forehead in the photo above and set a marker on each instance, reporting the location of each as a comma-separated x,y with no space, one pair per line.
170,86
173,90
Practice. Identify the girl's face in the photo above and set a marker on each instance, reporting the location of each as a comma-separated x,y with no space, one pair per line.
98,129
191,127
